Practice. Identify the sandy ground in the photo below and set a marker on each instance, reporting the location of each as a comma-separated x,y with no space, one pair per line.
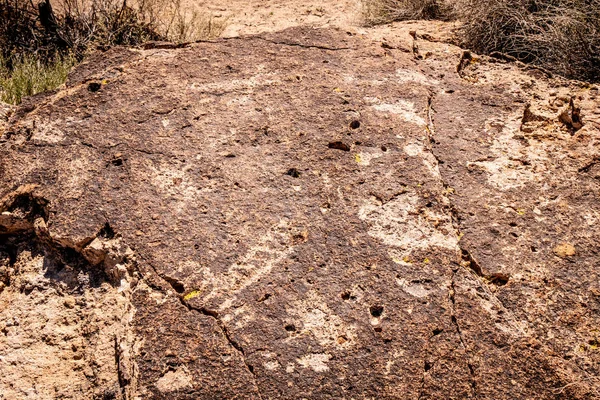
255,16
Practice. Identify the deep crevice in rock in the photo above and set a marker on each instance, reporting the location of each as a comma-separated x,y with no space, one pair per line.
455,220
123,380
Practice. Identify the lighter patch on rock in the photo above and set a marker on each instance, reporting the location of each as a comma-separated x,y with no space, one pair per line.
320,321
171,180
238,101
591,217
400,224
404,109
504,174
235,85
47,132
271,249
407,75
174,380
365,158
506,169
505,321
395,356
414,289
317,362
272,365
50,340
417,150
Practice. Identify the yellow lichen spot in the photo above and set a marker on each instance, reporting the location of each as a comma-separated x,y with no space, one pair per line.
520,211
407,259
191,295
358,158
104,81
564,250
460,236
337,89
426,260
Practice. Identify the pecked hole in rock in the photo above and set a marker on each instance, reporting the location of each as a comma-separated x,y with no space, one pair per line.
355,124
293,172
107,232
94,86
376,311
339,146
177,285
498,279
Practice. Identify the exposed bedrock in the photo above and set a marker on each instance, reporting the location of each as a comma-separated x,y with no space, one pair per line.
305,214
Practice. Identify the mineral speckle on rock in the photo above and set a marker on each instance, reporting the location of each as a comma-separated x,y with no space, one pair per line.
190,229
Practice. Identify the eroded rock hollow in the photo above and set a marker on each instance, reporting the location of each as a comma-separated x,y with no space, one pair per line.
310,214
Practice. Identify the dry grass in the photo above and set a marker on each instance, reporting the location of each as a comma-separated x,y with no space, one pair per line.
562,36
28,76
383,11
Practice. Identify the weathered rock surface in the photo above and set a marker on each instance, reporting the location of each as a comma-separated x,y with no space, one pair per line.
306,214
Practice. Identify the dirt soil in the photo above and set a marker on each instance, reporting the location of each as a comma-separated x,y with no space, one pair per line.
313,213
252,16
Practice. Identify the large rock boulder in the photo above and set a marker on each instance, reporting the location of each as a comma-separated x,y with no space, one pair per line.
311,214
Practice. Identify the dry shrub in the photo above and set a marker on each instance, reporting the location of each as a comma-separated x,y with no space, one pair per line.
178,24
562,36
116,22
383,11
40,42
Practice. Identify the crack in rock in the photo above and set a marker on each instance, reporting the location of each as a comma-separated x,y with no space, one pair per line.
305,46
452,295
174,284
430,128
238,347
